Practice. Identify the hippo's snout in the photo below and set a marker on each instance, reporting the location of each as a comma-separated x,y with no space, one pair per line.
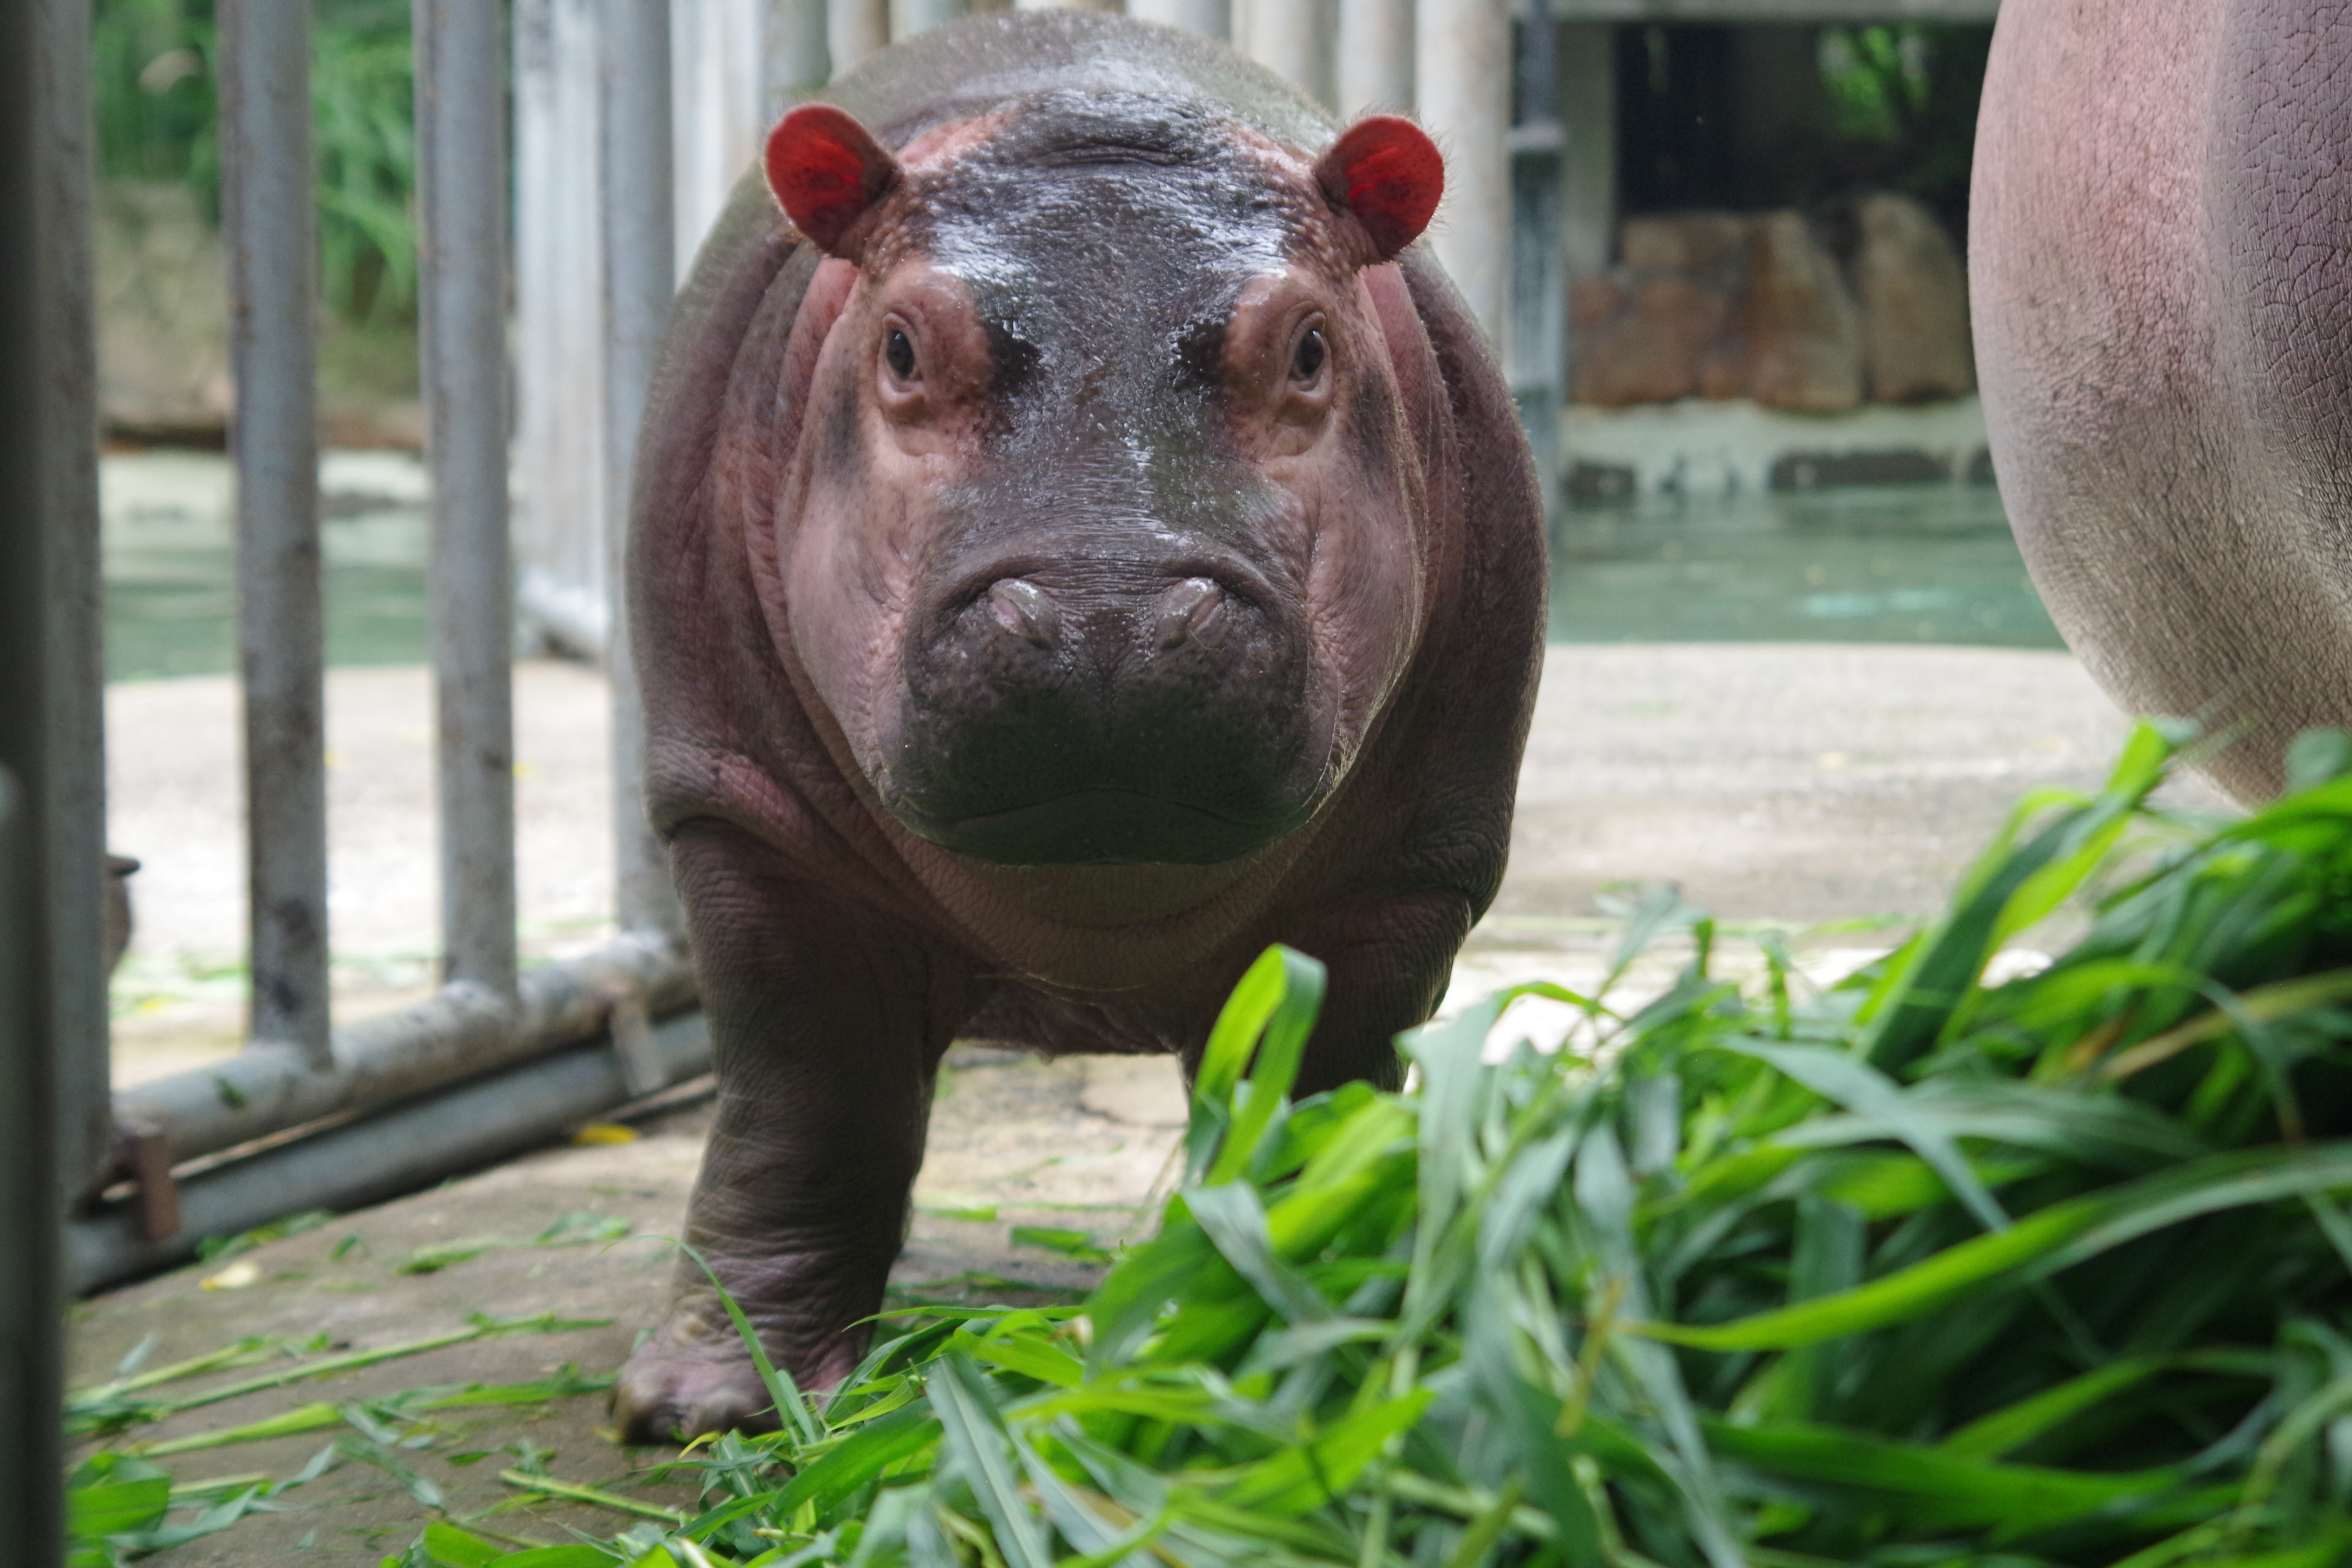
1064,715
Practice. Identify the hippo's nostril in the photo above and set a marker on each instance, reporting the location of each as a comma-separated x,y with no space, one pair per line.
1025,610
1184,611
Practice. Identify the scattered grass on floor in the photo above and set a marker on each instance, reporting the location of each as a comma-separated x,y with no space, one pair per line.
1912,1271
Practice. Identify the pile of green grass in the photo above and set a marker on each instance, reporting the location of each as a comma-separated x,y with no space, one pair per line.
1909,1271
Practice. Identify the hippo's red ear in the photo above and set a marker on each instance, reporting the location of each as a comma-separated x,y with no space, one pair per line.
1388,172
826,170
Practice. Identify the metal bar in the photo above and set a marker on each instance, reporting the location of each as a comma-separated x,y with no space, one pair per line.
383,1060
1375,48
462,200
1214,17
73,807
639,279
1588,114
400,1150
1777,10
1286,37
32,1349
854,29
558,325
908,17
265,47
795,61
1534,351
1462,54
715,61
31,1322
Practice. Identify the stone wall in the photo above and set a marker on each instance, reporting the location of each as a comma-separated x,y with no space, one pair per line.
1762,306
162,277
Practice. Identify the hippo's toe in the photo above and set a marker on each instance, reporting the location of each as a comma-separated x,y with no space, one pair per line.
671,1393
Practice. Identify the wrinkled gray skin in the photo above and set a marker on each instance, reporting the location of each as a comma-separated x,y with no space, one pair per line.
2160,260
1033,715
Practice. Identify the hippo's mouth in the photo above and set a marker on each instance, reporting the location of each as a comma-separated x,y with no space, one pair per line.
1099,828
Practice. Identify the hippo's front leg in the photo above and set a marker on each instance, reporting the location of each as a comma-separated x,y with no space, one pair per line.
827,1024
1387,966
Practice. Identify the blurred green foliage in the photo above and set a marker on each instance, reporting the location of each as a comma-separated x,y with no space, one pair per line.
1912,86
156,67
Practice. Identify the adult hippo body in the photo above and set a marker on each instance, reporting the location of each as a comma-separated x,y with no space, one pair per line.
1087,544
2160,258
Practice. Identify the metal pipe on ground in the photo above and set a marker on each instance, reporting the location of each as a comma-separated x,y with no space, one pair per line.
265,47
397,1150
637,240
462,199
383,1060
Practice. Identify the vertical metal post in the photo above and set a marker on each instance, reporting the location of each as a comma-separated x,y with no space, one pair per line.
267,183
1534,351
72,810
31,1316
638,244
854,29
1462,57
559,323
908,17
715,88
1286,37
796,61
1214,17
462,199
1588,116
1375,66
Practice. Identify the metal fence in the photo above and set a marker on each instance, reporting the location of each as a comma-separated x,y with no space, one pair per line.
631,120
309,1114
31,1385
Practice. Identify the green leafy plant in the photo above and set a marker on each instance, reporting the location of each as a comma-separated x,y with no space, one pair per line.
1911,87
1909,1270
156,99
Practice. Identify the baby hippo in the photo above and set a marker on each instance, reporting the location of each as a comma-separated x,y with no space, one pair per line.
1079,540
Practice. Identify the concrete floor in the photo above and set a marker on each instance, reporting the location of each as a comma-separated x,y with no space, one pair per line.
1791,784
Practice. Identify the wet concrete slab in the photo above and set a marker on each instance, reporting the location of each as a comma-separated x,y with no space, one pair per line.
575,1236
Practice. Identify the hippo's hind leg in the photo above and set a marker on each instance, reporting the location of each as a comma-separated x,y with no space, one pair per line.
827,1024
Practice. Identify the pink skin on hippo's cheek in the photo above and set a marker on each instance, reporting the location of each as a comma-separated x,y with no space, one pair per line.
1352,530
876,451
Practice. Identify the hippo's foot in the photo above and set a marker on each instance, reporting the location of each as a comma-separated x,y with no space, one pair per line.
693,1376
696,1375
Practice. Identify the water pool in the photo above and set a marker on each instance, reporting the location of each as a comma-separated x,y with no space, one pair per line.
1910,563
170,562
1923,563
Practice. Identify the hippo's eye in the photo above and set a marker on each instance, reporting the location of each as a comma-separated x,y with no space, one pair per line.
1307,360
899,354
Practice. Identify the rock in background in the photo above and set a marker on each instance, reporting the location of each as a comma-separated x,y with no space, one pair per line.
163,314
1914,291
1759,305
1799,328
163,335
